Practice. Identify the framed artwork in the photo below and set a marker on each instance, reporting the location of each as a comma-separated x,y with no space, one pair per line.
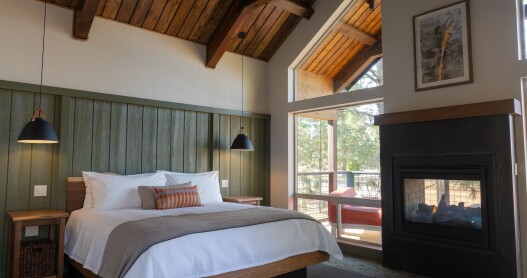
442,47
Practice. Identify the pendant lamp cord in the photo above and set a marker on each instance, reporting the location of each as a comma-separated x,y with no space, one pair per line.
242,36
242,82
42,59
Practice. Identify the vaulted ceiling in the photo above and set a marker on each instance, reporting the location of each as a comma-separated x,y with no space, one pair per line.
341,56
215,23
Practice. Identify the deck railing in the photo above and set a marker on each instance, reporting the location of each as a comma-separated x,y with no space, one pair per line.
366,184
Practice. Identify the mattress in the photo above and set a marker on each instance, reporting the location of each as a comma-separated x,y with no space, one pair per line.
196,255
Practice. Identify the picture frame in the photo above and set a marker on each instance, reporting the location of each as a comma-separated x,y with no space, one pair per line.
442,47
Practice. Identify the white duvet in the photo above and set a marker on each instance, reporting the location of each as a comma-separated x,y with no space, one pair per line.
196,255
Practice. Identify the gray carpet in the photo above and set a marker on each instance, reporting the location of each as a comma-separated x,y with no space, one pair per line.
323,270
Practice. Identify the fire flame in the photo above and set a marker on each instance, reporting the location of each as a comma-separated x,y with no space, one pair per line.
435,210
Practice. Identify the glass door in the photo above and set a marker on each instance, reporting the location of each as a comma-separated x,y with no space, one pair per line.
338,171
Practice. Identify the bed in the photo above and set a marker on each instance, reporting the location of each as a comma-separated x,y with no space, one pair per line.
256,251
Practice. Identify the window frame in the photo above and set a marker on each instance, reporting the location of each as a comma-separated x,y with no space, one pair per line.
353,201
522,28
363,73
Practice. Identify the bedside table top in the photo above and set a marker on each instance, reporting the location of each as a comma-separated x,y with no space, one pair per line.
241,199
16,216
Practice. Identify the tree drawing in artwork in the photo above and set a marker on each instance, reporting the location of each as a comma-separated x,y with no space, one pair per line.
441,45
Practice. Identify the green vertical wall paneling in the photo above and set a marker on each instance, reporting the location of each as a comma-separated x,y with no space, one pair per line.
118,131
101,136
255,159
235,175
65,158
177,141
149,140
56,160
42,159
82,136
224,134
267,163
263,162
134,137
5,115
189,157
202,142
18,185
246,170
215,144
164,131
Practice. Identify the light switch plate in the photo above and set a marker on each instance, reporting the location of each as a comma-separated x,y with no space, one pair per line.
224,183
32,231
40,190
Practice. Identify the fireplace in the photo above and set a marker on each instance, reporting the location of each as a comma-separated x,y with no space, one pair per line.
443,197
449,201
446,202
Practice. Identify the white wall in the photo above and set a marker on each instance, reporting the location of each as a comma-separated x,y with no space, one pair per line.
497,75
497,71
123,60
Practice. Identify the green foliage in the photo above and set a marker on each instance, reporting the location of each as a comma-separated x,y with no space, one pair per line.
371,78
312,145
358,139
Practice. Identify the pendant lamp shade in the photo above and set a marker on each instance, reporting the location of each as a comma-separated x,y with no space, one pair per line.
242,142
38,130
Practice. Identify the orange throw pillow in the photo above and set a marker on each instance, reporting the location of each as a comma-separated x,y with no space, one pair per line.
176,197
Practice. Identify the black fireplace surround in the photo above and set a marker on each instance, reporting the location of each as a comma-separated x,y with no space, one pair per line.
442,233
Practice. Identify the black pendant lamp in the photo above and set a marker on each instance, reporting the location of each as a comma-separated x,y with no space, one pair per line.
38,130
242,142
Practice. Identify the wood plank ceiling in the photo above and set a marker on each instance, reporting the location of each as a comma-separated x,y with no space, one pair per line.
267,22
359,28
340,58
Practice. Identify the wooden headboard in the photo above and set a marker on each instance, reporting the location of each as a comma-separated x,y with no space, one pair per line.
75,192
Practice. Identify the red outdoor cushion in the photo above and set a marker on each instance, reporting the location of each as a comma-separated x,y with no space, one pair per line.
354,214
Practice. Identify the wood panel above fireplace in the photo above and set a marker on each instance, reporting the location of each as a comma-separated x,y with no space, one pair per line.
439,230
498,107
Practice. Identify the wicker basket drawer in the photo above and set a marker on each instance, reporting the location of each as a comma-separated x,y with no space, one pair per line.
37,258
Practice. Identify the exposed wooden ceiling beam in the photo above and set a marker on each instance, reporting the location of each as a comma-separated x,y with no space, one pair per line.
291,6
83,18
355,33
294,7
356,67
227,32
238,16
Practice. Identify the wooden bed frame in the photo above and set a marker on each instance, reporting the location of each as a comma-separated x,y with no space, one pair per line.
76,190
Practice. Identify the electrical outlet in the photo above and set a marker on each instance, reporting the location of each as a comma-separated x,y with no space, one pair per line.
224,183
40,190
32,231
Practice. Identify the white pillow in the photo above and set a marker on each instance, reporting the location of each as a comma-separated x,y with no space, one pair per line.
208,184
114,192
88,198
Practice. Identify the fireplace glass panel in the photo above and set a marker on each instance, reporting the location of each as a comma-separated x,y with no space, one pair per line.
443,202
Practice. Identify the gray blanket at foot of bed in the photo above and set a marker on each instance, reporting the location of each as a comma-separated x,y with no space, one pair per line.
129,240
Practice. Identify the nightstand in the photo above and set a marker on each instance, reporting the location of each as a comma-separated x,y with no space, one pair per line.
248,200
20,219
